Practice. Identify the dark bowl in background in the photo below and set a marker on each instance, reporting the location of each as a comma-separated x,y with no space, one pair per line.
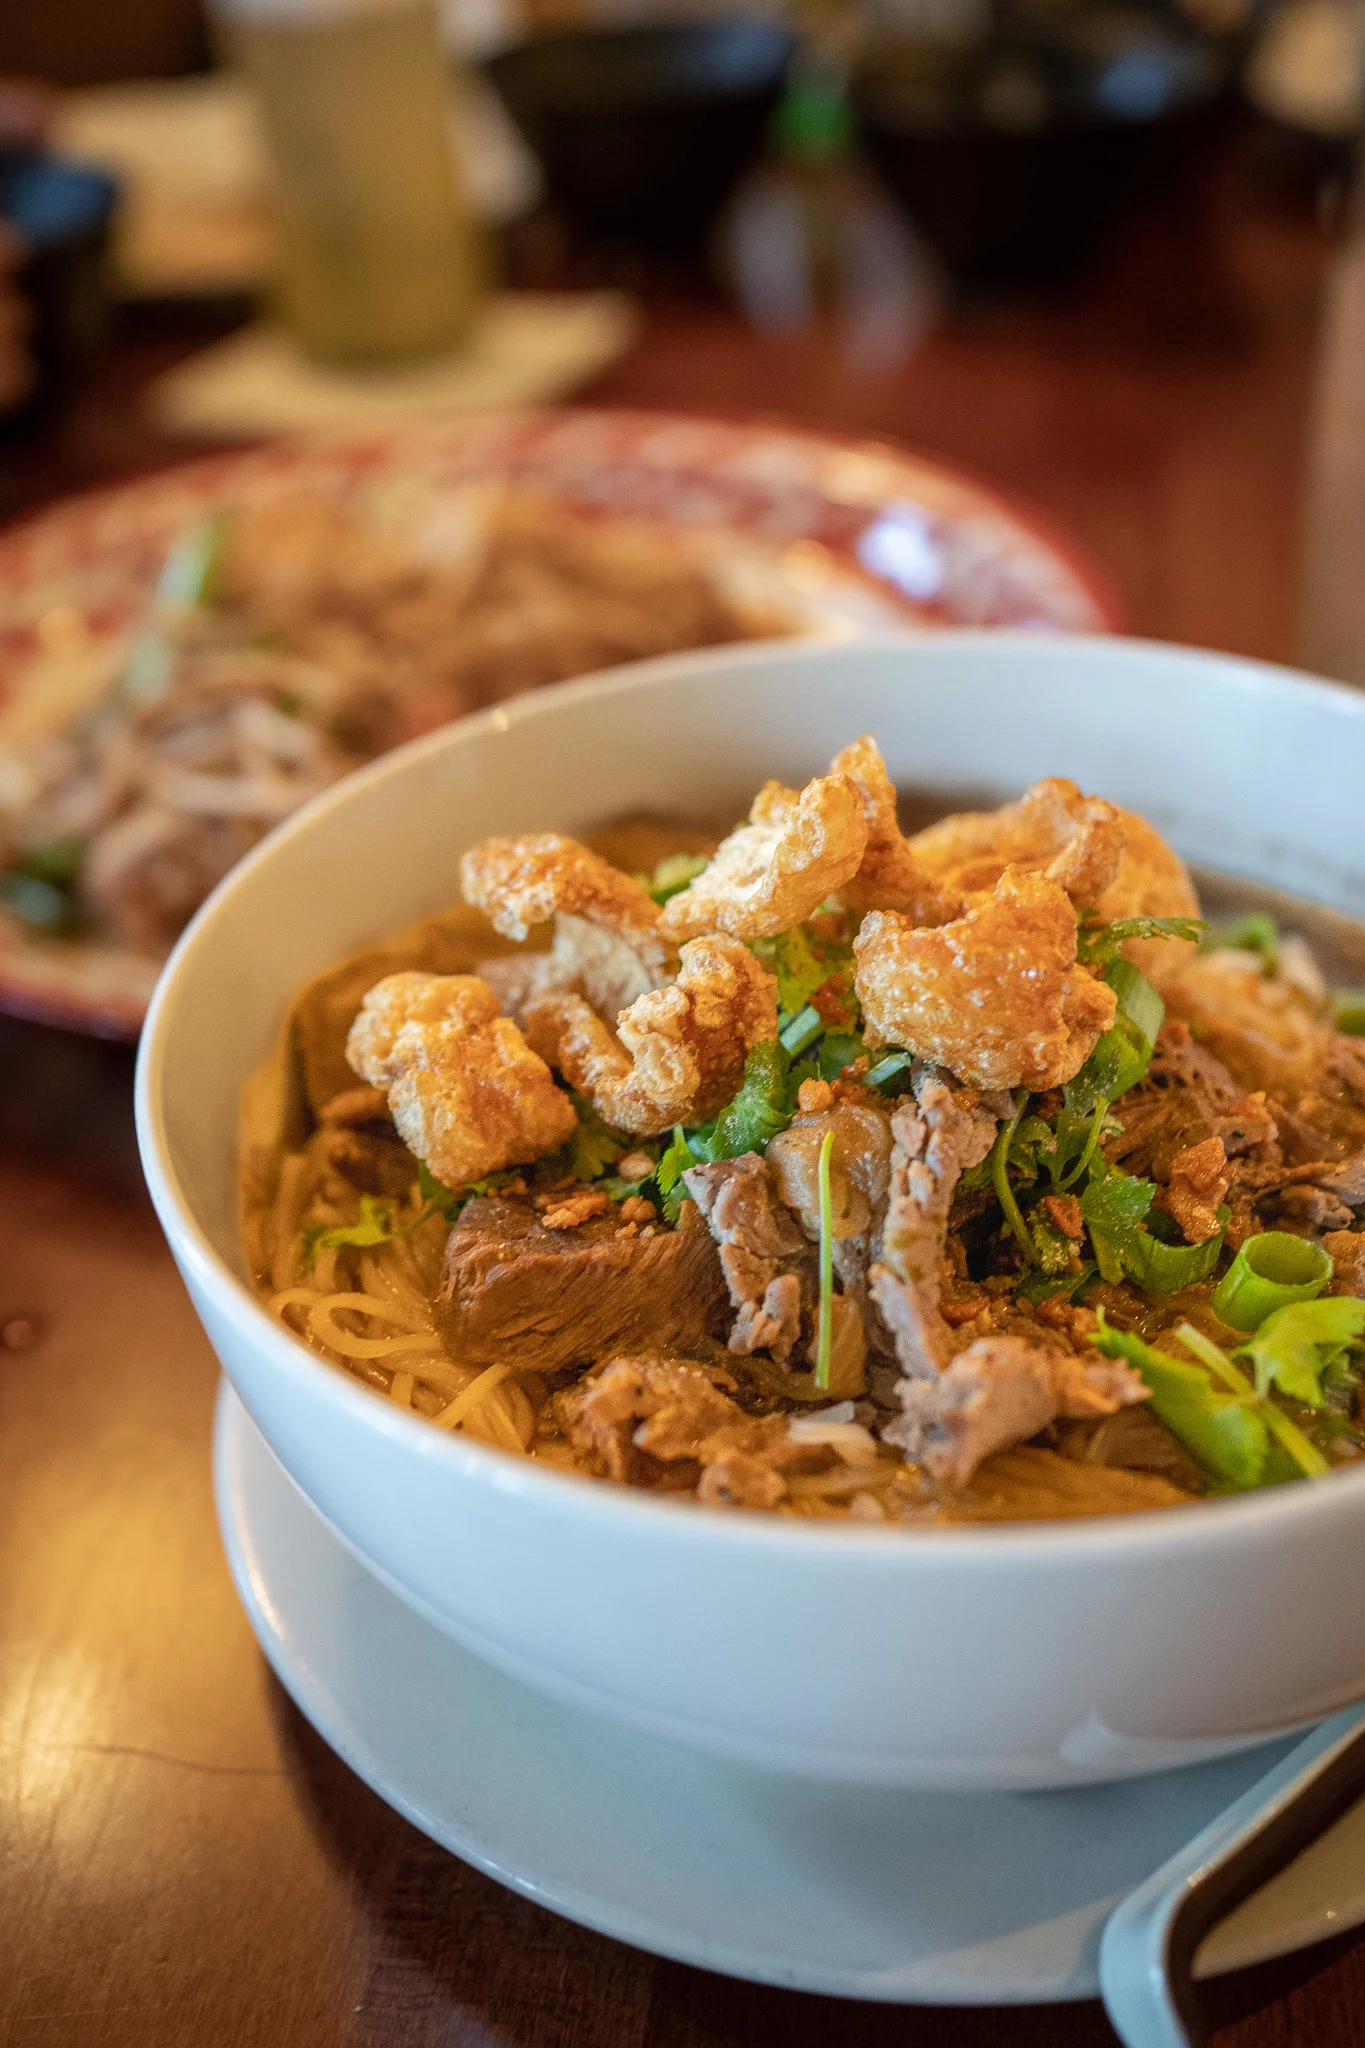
1015,157
62,211
642,132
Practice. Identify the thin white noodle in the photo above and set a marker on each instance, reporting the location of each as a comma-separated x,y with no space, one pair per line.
401,1389
322,1322
473,1396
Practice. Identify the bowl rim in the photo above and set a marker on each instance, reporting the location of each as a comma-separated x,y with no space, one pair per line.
959,1547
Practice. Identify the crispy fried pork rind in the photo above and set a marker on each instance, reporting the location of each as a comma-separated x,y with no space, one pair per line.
464,1089
890,878
996,996
797,849
678,1053
524,882
1076,841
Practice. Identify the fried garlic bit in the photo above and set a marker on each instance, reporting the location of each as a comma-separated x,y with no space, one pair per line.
678,1053
996,996
890,877
798,847
1076,841
526,881
464,1089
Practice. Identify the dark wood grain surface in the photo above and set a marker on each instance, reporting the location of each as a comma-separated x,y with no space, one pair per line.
182,1861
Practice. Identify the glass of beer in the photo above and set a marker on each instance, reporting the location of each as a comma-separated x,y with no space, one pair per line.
380,258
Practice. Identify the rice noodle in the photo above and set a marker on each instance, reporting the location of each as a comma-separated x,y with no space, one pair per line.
473,1395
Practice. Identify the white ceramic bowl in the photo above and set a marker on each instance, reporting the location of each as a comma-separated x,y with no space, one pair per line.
974,1658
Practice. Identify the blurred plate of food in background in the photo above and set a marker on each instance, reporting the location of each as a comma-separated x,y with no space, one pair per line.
187,658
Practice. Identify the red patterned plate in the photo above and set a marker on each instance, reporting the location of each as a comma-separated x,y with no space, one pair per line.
839,535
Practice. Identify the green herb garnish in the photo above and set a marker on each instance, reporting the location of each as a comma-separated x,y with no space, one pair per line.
758,1112
1223,1432
1295,1346
1098,945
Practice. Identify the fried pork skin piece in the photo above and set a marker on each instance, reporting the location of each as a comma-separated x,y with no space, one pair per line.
1109,861
762,1249
678,1054
1076,841
583,961
635,1418
523,882
1001,1391
466,1092
996,995
890,878
938,1132
798,848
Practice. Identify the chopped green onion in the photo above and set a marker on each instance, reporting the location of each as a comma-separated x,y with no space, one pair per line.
1138,1000
674,874
1271,1270
1306,1455
802,1030
887,1068
825,1327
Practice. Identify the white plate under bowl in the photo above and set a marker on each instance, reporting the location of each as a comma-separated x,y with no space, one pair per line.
913,1897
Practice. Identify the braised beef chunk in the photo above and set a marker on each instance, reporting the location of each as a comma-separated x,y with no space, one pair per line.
519,1293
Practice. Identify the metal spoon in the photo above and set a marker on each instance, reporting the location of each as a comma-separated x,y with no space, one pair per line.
1149,1944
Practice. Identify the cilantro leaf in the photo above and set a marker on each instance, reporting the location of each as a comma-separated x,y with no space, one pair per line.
800,970
373,1227
1221,1432
1117,1209
668,1174
1296,1345
594,1146
1098,945
759,1111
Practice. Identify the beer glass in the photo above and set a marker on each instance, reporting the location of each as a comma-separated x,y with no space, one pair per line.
380,258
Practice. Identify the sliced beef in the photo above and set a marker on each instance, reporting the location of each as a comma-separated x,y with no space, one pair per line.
939,1132
1188,1097
518,1292
763,1251
1001,1391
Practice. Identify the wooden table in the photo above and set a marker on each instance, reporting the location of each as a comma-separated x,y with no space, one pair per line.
182,1861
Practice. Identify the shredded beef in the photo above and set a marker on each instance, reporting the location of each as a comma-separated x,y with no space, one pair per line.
1001,1391
939,1132
763,1251
649,1421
